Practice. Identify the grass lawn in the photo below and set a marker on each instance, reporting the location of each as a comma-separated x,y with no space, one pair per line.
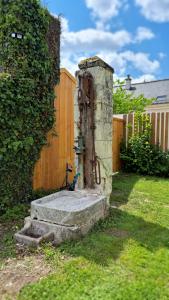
126,257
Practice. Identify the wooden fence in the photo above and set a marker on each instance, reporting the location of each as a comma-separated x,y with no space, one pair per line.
118,135
50,170
124,128
160,128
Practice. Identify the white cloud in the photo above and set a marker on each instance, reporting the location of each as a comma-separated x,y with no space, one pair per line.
162,55
155,10
144,33
144,78
104,9
122,60
64,25
141,61
70,62
90,40
108,45
114,59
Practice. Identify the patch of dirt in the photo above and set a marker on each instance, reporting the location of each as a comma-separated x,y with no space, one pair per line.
16,273
117,232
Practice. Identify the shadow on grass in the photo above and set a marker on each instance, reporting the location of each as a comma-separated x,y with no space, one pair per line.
108,238
123,185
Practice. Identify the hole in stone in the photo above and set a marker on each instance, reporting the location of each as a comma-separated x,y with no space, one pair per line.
33,233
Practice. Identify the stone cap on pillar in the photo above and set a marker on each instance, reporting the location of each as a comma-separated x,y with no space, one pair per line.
94,61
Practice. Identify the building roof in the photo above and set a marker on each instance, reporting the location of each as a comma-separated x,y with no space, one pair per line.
157,89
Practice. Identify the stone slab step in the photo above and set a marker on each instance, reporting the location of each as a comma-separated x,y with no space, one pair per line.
35,232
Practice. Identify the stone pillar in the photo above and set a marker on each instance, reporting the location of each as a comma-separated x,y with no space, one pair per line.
103,84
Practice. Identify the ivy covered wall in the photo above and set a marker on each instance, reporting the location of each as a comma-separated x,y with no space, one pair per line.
29,70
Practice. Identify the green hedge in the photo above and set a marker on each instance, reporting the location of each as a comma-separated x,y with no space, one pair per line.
30,70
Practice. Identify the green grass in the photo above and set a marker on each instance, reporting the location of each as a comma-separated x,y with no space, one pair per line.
126,257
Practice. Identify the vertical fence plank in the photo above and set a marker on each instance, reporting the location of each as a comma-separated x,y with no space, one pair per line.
143,124
118,133
125,128
158,130
153,123
50,170
162,131
130,125
167,131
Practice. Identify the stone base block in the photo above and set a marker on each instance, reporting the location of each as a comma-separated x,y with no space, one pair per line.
35,232
69,208
61,217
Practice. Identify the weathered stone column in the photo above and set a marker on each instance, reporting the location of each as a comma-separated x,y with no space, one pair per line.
103,85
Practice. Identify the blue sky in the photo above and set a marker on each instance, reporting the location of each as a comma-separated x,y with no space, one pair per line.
131,35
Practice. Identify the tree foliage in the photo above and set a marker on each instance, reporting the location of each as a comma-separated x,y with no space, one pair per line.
26,95
125,102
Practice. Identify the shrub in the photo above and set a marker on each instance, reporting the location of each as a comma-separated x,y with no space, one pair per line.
140,156
30,70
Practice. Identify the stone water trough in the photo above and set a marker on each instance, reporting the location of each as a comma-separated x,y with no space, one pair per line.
61,217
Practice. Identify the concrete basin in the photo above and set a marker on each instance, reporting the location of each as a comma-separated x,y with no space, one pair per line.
61,217
69,208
